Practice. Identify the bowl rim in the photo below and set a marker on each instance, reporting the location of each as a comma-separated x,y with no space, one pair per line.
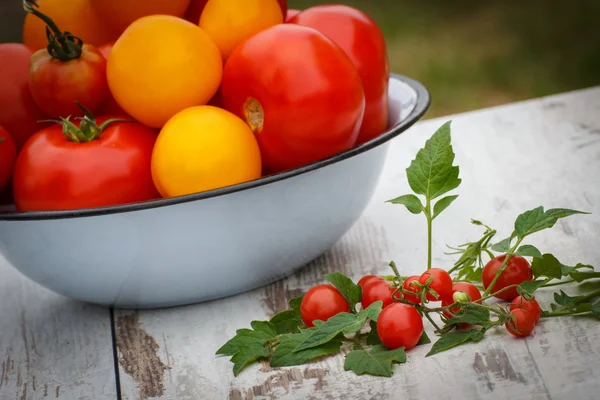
423,101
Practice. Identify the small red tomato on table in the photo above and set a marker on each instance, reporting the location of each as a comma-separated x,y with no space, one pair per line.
299,93
530,305
321,303
516,272
363,41
464,289
441,283
399,325
8,154
521,324
376,290
409,286
67,71
85,163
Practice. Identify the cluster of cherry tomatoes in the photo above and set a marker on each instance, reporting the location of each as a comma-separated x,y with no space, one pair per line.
401,325
111,102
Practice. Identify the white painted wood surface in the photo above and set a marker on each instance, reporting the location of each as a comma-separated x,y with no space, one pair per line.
52,347
512,158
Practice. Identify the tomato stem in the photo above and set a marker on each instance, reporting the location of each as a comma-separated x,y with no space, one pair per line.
429,221
558,283
61,45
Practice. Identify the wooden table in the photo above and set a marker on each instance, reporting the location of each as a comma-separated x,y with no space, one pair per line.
512,158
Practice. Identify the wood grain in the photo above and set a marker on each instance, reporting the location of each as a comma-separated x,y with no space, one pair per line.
51,347
512,158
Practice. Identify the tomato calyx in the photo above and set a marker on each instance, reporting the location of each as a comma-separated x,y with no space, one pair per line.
63,46
88,128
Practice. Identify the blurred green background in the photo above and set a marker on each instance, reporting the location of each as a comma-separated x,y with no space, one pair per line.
469,53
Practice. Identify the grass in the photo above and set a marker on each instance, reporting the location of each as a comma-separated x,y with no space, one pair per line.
474,54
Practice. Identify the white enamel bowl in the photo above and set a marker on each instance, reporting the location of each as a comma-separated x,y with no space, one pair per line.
207,245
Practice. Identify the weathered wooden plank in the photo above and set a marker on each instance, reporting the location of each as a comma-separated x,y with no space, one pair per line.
512,158
52,347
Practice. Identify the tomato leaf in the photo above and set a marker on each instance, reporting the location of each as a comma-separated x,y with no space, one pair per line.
502,246
377,361
287,322
351,291
264,326
566,270
284,355
424,339
529,287
528,250
547,266
246,338
454,339
372,336
442,204
580,276
472,314
537,219
596,309
410,201
246,355
345,323
431,173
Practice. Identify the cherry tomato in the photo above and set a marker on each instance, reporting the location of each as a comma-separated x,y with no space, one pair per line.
408,285
291,13
363,41
8,154
321,303
119,14
530,305
366,279
110,105
53,172
229,22
467,288
19,113
441,283
523,323
517,271
67,71
377,290
399,325
304,102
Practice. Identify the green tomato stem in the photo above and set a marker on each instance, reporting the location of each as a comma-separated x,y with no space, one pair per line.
558,283
429,226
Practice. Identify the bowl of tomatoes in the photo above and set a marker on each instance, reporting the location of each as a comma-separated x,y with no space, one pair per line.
182,187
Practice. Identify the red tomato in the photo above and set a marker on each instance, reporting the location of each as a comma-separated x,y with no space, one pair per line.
291,13
408,285
377,290
530,305
363,41
8,154
19,114
53,172
65,72
110,105
467,288
366,279
399,325
442,283
304,102
523,323
321,303
517,271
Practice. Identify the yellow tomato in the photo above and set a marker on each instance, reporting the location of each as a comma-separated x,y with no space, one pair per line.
229,22
75,16
203,148
161,65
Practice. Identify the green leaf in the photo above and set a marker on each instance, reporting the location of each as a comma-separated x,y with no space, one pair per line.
565,301
351,291
246,355
528,250
547,266
372,336
454,339
377,361
410,201
431,173
566,270
529,287
284,355
502,246
265,327
295,302
537,219
288,321
442,204
345,323
244,338
581,276
472,314
596,309
424,339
